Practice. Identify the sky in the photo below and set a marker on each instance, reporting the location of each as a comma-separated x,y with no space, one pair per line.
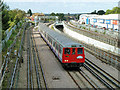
61,0
62,6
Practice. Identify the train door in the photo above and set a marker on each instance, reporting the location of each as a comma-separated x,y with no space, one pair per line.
73,54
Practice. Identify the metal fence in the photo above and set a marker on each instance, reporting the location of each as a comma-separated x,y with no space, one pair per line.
9,33
95,35
6,59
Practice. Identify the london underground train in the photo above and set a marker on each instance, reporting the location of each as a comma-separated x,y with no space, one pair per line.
69,52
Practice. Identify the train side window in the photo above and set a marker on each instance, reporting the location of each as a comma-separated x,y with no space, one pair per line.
80,50
57,47
67,51
60,49
53,44
73,51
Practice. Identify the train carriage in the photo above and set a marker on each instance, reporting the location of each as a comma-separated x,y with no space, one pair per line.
69,52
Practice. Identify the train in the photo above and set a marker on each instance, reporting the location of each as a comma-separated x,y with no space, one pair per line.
69,52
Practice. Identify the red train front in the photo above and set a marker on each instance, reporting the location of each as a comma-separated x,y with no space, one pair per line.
73,56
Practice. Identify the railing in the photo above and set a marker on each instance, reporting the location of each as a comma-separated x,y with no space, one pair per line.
9,33
95,35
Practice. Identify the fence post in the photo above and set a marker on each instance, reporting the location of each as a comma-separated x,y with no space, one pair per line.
0,43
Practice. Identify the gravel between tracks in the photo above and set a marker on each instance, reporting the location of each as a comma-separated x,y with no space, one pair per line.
22,83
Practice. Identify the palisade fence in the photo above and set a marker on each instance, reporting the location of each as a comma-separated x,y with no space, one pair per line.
9,33
104,56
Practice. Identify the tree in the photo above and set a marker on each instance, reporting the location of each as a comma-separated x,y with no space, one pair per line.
108,12
52,14
115,10
100,12
1,5
15,16
29,12
60,15
94,12
5,16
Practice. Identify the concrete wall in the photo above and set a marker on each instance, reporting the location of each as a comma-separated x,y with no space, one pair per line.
91,41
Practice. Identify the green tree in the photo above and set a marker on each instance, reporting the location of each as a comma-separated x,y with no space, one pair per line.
15,16
94,12
108,12
29,12
115,10
101,12
52,14
5,16
60,16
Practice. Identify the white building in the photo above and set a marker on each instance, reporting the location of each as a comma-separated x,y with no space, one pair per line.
110,21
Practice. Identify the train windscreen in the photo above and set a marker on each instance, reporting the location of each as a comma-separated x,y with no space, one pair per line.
73,51
80,50
67,51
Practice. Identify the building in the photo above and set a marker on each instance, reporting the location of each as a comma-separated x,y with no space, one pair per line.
110,21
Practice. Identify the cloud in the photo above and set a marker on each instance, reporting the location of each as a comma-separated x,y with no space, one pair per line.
61,0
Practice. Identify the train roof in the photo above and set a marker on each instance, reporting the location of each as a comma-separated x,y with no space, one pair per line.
60,37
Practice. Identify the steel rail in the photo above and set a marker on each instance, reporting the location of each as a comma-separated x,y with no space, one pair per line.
89,81
31,78
40,63
36,66
74,80
105,73
98,77
28,71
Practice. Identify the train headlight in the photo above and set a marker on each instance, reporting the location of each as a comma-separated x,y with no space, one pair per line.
80,57
66,60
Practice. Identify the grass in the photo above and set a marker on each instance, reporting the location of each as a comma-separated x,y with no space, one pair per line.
52,27
96,31
104,32
12,64
9,42
84,28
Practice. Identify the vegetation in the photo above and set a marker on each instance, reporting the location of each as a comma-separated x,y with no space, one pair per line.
10,17
60,15
29,12
115,10
100,12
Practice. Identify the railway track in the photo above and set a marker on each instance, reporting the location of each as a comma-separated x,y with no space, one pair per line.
29,65
36,78
97,80
109,81
82,80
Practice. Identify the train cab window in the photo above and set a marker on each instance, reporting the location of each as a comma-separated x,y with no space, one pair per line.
67,51
73,51
80,50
